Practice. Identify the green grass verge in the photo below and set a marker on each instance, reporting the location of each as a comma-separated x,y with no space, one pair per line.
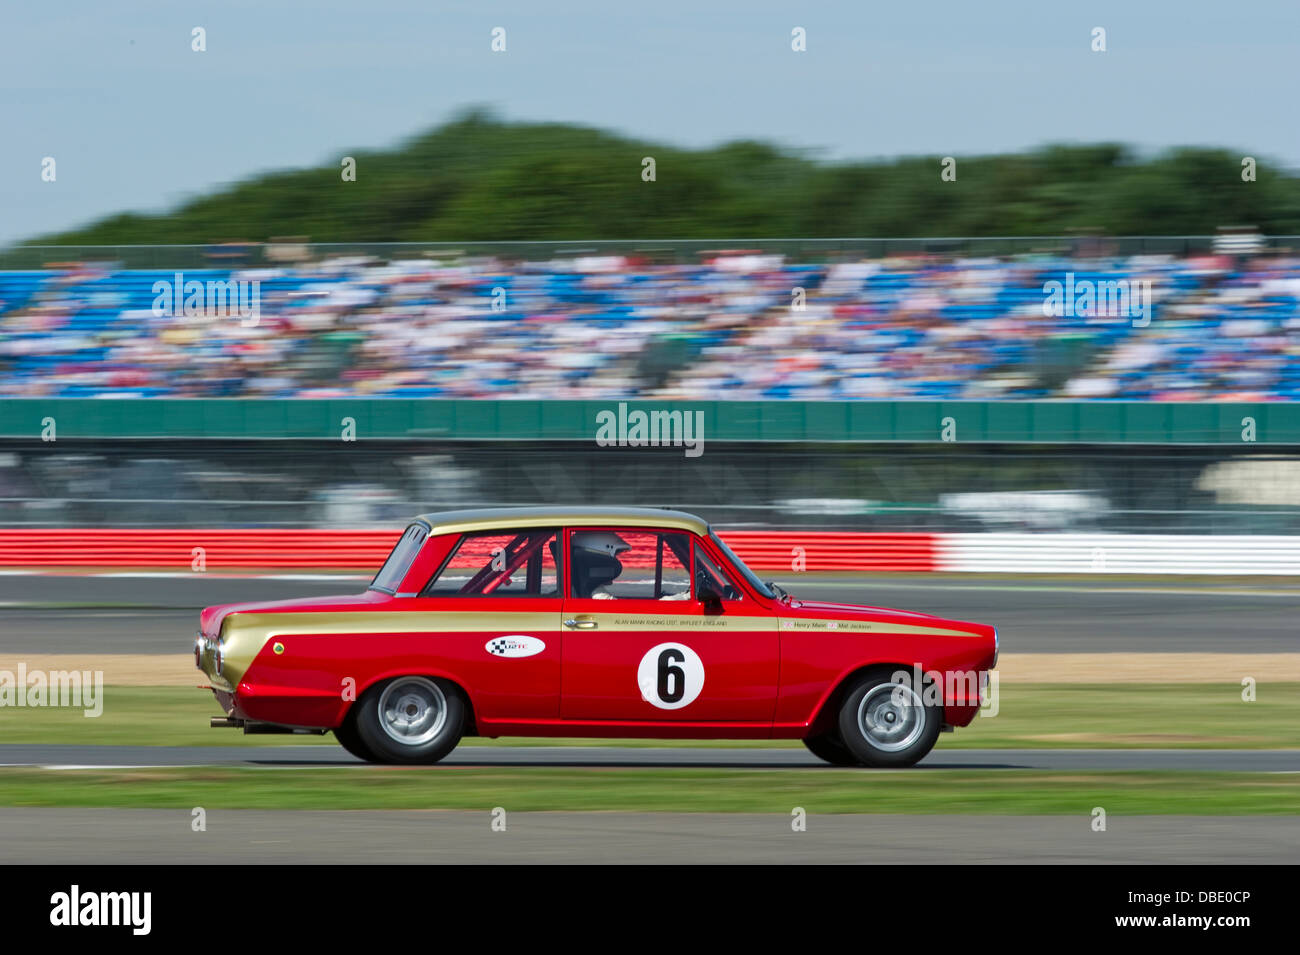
661,790
1137,716
1065,716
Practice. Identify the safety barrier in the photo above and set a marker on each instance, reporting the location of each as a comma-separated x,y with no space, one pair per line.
269,549
35,422
213,550
1119,554
786,552
796,551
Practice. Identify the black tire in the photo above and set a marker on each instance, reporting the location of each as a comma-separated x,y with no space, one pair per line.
350,740
831,748
886,723
398,721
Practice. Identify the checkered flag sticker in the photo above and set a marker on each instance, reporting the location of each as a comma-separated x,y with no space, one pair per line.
514,645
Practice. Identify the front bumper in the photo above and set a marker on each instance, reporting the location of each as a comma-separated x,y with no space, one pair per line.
209,658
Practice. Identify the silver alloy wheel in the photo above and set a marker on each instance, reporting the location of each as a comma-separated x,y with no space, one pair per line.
412,710
891,717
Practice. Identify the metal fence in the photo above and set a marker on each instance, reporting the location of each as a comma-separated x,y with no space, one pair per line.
666,251
931,487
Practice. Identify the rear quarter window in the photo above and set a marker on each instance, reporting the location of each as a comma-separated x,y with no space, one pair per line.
399,560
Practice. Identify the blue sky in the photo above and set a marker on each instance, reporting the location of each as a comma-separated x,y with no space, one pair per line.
137,121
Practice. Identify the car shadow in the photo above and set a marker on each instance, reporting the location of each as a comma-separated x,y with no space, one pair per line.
542,762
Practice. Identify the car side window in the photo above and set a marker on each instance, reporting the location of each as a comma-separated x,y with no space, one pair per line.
510,563
629,564
710,577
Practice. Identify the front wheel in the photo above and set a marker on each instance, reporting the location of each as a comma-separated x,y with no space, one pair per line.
887,723
411,719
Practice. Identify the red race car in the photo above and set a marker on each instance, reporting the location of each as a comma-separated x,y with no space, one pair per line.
604,622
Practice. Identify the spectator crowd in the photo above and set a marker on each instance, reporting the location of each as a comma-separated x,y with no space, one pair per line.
740,325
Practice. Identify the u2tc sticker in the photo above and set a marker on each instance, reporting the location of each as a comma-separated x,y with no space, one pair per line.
517,645
670,676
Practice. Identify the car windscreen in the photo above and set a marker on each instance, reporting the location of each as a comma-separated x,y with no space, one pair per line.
390,576
739,565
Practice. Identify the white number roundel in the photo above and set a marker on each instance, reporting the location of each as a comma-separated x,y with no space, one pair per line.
670,676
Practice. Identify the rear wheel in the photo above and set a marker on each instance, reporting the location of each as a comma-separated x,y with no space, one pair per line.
350,740
831,748
887,723
410,719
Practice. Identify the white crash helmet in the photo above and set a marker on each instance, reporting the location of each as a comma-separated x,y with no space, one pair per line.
601,542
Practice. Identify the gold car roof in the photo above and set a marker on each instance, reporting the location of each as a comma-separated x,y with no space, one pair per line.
501,518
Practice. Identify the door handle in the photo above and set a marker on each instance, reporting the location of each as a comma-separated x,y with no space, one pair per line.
581,623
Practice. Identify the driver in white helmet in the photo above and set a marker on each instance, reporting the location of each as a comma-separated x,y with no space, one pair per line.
596,564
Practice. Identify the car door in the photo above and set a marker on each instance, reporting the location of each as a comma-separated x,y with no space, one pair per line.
492,611
641,646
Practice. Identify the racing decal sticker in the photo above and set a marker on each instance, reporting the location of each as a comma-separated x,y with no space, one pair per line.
516,645
670,676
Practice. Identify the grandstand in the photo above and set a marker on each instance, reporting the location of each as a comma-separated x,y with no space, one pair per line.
1221,325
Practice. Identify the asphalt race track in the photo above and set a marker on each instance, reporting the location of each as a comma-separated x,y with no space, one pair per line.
134,614
252,837
289,756
158,614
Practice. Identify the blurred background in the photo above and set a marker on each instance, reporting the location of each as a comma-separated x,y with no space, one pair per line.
706,235
907,331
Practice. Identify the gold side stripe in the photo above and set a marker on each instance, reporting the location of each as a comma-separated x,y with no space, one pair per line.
288,624
802,625
353,621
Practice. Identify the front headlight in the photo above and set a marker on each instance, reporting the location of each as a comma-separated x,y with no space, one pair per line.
995,647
